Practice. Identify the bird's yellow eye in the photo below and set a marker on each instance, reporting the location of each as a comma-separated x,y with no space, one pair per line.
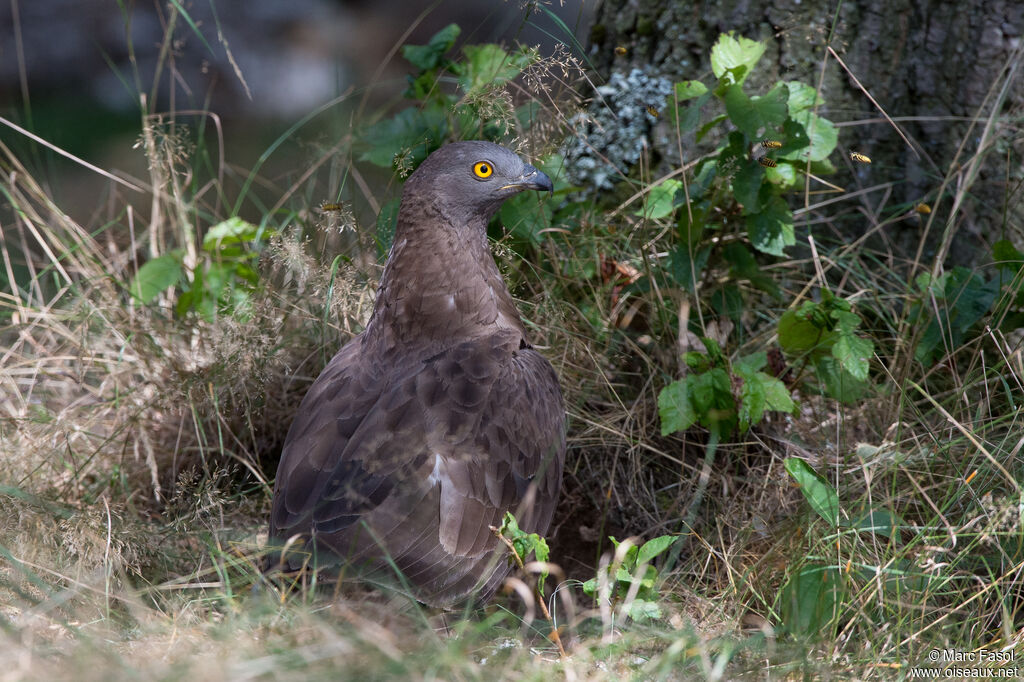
483,169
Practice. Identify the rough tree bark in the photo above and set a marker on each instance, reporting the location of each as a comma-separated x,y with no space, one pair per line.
933,61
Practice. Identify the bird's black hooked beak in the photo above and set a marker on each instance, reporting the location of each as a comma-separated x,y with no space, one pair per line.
531,179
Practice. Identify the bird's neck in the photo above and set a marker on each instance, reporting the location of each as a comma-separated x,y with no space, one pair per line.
440,283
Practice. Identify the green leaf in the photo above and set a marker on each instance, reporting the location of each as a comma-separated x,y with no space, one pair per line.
771,230
709,126
853,354
412,129
1006,255
689,89
821,496
689,116
798,335
644,610
839,383
810,599
755,114
821,135
777,396
430,56
752,402
686,269
156,275
525,217
746,187
230,231
489,66
660,201
675,409
733,58
654,547
743,265
801,97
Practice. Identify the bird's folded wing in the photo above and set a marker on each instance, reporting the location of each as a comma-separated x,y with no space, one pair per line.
481,423
505,426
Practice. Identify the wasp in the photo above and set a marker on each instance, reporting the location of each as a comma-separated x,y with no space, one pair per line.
771,144
767,163
858,157
621,51
653,111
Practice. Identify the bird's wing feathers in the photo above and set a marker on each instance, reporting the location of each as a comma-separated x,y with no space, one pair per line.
441,447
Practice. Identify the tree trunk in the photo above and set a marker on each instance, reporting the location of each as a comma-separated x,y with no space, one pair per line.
931,65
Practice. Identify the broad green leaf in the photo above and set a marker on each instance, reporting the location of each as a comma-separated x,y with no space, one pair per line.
526,218
748,364
810,599
675,409
410,130
746,187
660,201
839,383
689,116
230,231
156,275
1006,255
689,89
801,97
853,354
685,268
777,395
821,134
798,335
709,126
846,320
752,115
752,401
654,547
761,392
430,56
743,265
818,492
644,610
735,57
489,66
771,230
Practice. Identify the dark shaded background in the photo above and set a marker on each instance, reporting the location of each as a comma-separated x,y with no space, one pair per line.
72,71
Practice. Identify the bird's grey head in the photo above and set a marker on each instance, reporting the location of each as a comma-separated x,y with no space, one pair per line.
473,178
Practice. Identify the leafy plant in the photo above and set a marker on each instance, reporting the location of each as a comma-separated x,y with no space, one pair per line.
720,395
740,187
476,108
222,280
824,335
955,301
524,544
632,577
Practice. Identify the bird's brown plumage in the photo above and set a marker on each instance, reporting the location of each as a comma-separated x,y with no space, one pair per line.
439,417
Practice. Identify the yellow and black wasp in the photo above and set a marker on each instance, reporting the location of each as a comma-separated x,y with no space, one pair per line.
760,150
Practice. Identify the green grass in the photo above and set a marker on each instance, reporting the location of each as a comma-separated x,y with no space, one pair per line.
139,440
